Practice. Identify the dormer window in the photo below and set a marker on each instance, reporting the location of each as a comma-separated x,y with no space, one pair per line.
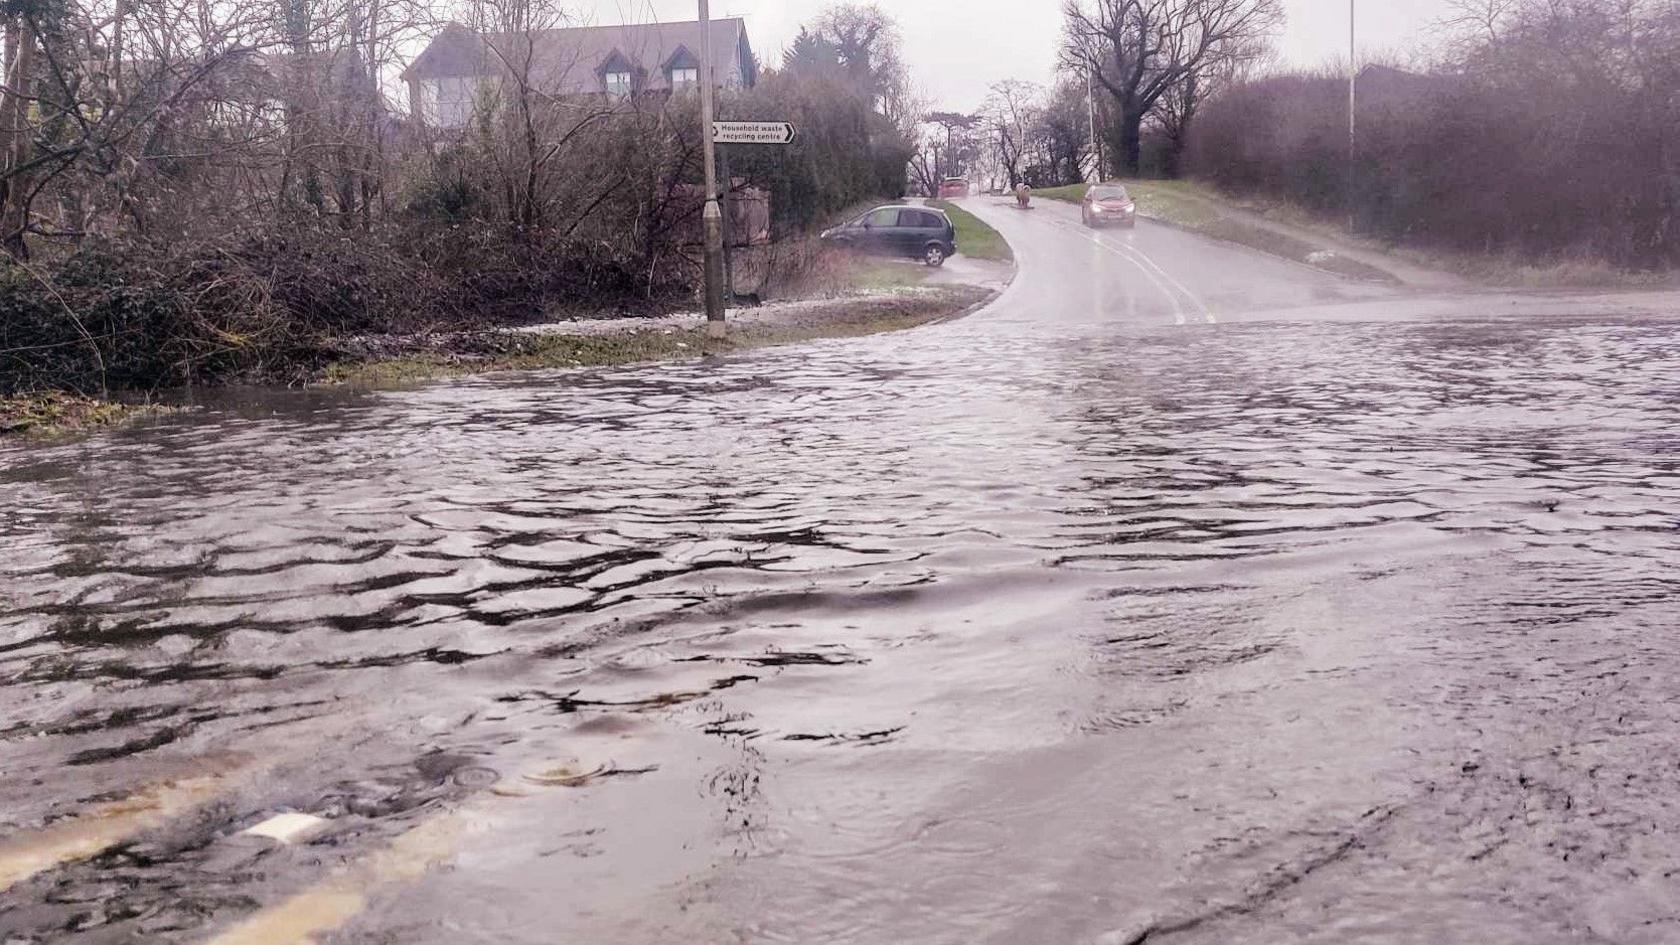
618,77
683,69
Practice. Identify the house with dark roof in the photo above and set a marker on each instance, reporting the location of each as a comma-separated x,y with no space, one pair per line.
449,77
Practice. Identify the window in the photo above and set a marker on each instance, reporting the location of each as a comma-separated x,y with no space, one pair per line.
618,84
685,78
888,217
920,219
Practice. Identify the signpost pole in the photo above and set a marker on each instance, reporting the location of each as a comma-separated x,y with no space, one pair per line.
712,216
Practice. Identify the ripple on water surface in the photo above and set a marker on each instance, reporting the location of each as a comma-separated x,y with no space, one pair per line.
976,632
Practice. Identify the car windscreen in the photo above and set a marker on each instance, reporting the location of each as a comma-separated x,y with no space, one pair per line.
1108,193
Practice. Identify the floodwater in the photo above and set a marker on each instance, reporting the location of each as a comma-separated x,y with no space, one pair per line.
1005,630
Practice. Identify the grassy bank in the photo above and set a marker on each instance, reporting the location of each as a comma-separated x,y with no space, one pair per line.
896,302
1502,270
481,353
1201,209
1073,193
1188,206
54,413
825,294
974,238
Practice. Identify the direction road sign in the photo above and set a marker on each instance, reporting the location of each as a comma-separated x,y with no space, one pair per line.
752,132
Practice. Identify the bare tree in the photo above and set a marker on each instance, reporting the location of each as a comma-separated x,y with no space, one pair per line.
1012,114
1176,110
1483,19
1139,50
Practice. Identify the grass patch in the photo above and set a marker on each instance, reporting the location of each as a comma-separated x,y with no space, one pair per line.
1511,272
518,351
56,413
1073,193
974,238
874,274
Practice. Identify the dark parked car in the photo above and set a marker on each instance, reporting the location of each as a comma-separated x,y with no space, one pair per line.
921,232
1108,205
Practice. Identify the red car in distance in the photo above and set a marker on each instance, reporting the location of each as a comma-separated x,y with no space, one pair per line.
953,187
1109,205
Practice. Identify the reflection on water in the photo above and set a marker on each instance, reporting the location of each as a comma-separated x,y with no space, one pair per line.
982,633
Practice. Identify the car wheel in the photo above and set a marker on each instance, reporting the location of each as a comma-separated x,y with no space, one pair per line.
934,255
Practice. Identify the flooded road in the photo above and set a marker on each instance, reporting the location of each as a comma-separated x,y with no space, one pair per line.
1183,595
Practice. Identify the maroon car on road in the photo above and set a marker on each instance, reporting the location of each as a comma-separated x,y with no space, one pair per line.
953,187
1109,205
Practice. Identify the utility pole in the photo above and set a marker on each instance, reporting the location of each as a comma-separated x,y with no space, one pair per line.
712,217
1353,117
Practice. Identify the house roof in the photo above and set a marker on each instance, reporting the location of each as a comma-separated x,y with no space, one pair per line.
572,60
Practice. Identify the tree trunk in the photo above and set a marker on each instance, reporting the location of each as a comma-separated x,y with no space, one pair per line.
14,208
1173,160
1131,141
10,103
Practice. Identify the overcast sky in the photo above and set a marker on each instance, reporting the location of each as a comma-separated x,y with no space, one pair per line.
957,48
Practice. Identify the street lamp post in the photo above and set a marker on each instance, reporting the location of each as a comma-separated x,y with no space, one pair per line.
1091,110
712,216
1353,116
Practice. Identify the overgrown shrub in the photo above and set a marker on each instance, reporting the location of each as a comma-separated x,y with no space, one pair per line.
144,315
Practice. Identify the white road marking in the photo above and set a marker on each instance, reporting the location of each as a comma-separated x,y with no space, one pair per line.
1165,290
1188,294
1132,297
1151,270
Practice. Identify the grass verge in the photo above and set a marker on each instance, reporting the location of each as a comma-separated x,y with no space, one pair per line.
1073,193
480,353
1185,205
974,238
1197,207
56,413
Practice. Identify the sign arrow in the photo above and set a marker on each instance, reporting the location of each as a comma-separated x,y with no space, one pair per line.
753,132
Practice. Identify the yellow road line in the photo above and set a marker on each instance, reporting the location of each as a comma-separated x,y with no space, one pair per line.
342,895
97,830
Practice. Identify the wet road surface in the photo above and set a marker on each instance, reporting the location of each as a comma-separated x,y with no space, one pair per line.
1183,595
